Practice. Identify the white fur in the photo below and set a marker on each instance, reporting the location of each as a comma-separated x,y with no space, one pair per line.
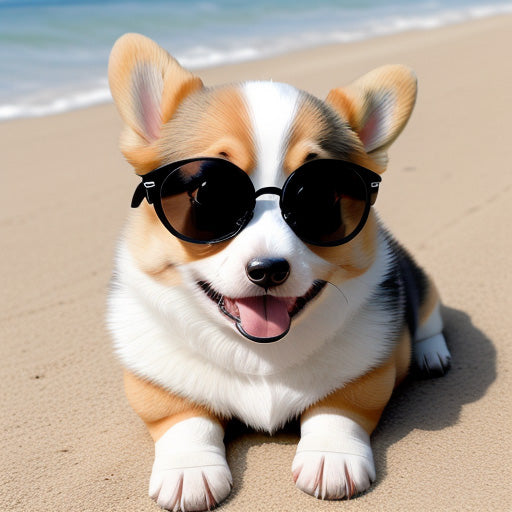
272,108
190,471
175,337
334,458
433,325
432,355
429,348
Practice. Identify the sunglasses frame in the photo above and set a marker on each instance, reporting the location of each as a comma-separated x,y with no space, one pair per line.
150,189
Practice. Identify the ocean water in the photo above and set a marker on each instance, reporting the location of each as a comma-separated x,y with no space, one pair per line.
54,54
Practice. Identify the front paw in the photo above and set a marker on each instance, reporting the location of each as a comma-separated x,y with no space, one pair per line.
191,489
332,476
190,472
334,459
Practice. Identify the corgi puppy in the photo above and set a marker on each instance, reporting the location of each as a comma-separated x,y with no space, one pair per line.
254,280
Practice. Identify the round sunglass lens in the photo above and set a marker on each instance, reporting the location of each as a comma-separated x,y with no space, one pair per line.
325,202
207,200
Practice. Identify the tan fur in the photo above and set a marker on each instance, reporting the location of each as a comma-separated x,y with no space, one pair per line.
305,136
160,409
214,123
157,252
364,399
355,257
345,105
211,123
365,160
390,87
309,134
197,130
135,56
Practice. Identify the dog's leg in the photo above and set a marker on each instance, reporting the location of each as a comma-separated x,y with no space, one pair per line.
334,458
431,354
190,471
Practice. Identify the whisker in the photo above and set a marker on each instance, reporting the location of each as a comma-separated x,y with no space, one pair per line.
339,289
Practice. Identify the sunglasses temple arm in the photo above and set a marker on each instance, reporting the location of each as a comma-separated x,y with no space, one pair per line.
139,195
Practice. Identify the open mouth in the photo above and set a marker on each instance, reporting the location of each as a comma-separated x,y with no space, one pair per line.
263,318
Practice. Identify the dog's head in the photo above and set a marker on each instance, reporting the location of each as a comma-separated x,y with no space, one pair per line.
255,284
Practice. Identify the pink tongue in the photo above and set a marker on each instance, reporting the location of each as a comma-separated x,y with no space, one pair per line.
264,317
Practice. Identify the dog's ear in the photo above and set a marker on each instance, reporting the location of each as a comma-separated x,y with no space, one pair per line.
377,107
147,85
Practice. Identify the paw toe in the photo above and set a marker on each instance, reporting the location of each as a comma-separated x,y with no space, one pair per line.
332,476
190,489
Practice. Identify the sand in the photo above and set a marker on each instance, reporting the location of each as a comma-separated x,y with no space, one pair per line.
70,441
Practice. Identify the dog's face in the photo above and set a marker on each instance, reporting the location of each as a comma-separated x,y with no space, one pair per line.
265,283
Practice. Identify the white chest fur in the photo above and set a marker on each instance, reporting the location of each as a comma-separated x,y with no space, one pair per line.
161,333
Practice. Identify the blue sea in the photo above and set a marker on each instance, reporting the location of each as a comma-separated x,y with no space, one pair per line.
54,54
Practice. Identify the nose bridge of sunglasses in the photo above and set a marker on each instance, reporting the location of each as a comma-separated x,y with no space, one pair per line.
266,207
268,190
267,203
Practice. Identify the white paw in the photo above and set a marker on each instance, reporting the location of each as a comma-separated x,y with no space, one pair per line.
188,489
332,476
334,459
190,472
432,356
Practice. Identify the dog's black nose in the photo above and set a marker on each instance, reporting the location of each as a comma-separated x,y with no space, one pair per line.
268,272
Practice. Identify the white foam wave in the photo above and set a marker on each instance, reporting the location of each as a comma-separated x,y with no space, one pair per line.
56,101
56,106
202,57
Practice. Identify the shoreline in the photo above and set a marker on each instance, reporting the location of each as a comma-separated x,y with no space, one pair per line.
250,62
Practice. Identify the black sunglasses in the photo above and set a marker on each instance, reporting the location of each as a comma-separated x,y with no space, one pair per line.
209,200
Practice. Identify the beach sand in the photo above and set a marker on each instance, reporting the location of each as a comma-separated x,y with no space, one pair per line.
70,441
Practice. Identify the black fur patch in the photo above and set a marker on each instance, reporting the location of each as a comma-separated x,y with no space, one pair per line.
391,297
336,135
413,282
